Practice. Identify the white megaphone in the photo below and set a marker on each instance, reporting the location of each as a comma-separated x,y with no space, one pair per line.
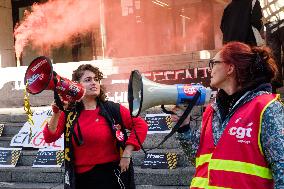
144,93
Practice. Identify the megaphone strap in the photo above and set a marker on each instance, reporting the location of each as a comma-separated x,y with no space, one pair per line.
79,140
137,137
186,112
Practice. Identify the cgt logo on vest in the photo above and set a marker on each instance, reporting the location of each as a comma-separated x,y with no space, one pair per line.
241,132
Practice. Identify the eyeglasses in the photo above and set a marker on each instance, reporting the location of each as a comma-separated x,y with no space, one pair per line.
212,63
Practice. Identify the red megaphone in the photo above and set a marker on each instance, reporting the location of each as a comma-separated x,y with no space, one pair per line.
40,76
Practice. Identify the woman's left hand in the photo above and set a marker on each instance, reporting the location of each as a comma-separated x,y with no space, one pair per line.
125,158
124,163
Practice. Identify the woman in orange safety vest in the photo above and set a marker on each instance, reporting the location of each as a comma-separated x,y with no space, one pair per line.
240,142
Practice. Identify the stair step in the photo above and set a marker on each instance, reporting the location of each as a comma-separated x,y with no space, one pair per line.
152,140
180,176
30,174
27,157
15,185
11,129
5,141
13,118
22,185
167,177
138,157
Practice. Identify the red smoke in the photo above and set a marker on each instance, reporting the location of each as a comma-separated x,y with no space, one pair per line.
55,22
154,30
147,29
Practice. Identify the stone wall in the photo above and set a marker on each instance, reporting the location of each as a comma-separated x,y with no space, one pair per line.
7,55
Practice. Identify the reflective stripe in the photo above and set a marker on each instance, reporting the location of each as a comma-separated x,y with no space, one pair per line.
203,159
216,187
260,123
199,182
240,167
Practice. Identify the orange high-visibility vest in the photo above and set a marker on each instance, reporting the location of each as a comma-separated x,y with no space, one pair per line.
237,161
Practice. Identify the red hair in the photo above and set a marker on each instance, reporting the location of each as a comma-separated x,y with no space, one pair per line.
253,65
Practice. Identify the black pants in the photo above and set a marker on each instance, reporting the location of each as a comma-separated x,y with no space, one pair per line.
275,40
103,176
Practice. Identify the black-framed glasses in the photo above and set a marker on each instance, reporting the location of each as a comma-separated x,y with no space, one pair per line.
213,62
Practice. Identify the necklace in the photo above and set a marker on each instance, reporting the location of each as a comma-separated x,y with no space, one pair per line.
91,108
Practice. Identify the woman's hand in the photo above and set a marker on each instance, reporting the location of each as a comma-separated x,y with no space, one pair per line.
124,163
126,158
52,124
55,109
178,113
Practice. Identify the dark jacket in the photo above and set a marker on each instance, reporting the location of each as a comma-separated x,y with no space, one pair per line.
237,20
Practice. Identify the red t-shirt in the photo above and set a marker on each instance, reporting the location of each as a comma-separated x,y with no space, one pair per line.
99,144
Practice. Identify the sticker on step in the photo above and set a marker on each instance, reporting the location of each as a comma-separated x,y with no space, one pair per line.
9,156
49,158
160,161
158,123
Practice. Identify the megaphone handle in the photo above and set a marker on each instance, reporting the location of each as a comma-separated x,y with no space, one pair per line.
181,120
57,101
56,95
166,111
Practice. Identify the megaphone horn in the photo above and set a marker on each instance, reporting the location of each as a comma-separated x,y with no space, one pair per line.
40,76
144,93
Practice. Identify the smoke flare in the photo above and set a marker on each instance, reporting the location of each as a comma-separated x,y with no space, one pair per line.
55,22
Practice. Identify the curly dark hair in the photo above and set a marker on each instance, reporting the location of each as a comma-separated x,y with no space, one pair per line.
254,65
78,73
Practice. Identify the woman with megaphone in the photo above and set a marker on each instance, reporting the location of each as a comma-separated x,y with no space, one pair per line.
97,148
240,142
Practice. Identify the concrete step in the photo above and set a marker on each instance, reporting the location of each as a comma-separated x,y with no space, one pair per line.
10,129
180,176
27,157
152,141
30,174
5,141
7,117
22,185
14,185
163,177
